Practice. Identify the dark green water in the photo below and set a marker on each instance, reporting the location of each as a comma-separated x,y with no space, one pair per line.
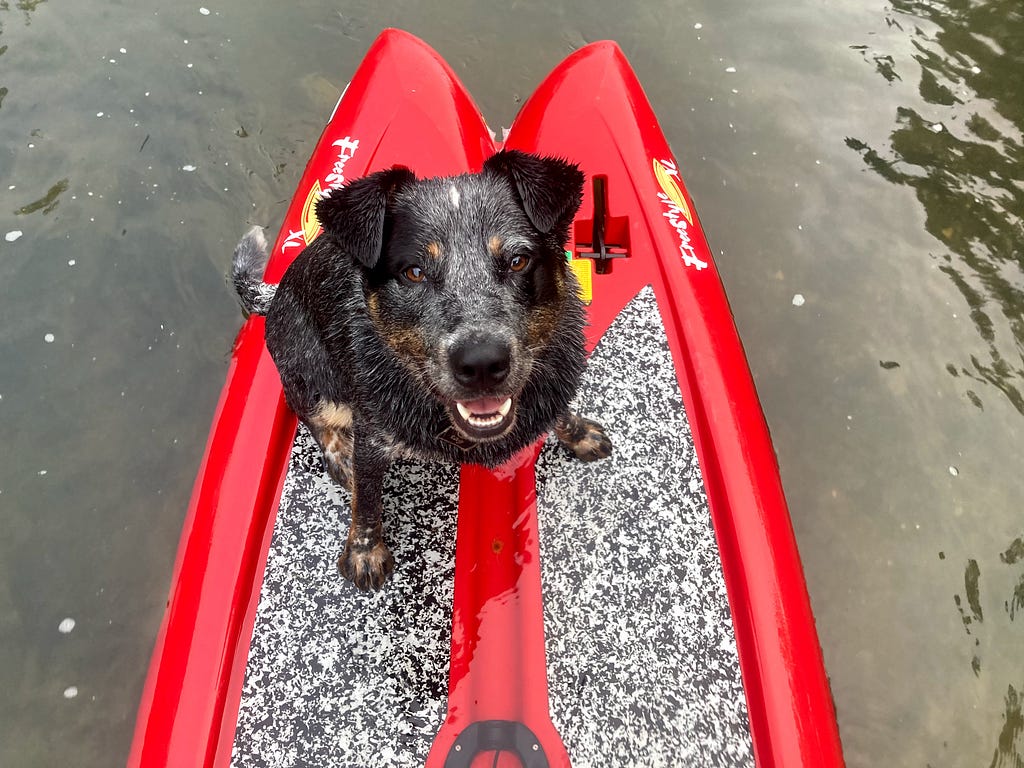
866,156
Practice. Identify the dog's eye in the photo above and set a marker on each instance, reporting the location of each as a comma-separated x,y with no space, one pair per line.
414,274
518,263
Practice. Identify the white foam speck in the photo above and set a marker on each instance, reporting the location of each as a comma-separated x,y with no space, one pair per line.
798,300
49,338
188,168
70,692
730,70
13,235
975,70
190,65
698,25
71,262
42,472
204,11
124,50
66,626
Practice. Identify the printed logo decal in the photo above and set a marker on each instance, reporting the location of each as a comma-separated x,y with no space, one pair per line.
309,225
676,210
668,185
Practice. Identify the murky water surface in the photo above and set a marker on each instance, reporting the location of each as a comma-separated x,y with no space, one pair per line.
859,168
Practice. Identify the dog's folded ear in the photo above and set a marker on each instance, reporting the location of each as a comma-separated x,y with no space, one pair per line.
551,189
354,215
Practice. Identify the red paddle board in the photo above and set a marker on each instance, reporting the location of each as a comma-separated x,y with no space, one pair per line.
645,610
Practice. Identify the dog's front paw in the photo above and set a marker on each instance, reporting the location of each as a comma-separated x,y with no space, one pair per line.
366,564
585,438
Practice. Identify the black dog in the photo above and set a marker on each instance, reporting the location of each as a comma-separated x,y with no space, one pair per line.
434,318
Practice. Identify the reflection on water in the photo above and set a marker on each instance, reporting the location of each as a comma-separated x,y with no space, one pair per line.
962,153
48,202
1014,554
1009,751
965,163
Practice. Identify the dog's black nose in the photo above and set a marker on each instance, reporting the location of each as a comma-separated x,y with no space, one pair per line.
480,364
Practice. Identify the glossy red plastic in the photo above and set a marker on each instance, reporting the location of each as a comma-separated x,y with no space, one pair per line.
404,105
592,109
498,670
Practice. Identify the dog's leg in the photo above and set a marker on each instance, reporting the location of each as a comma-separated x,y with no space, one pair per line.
331,425
583,437
367,561
336,444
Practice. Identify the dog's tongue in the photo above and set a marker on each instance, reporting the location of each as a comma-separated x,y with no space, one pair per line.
485,406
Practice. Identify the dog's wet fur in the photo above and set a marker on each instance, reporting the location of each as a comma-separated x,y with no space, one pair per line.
433,318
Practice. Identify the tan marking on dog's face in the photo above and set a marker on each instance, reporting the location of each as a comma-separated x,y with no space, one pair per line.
543,319
434,250
494,244
407,343
540,324
373,305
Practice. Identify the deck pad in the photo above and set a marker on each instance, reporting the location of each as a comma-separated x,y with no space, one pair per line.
642,662
339,677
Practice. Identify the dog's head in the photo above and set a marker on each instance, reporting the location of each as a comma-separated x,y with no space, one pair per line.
465,278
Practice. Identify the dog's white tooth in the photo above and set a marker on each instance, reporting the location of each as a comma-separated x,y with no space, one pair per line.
464,412
504,408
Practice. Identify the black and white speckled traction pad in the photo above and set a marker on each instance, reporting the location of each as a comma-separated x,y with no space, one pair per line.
642,662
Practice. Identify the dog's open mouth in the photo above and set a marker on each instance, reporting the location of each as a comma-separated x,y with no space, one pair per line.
486,417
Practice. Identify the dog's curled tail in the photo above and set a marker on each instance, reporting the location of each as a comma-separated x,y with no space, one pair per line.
247,267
